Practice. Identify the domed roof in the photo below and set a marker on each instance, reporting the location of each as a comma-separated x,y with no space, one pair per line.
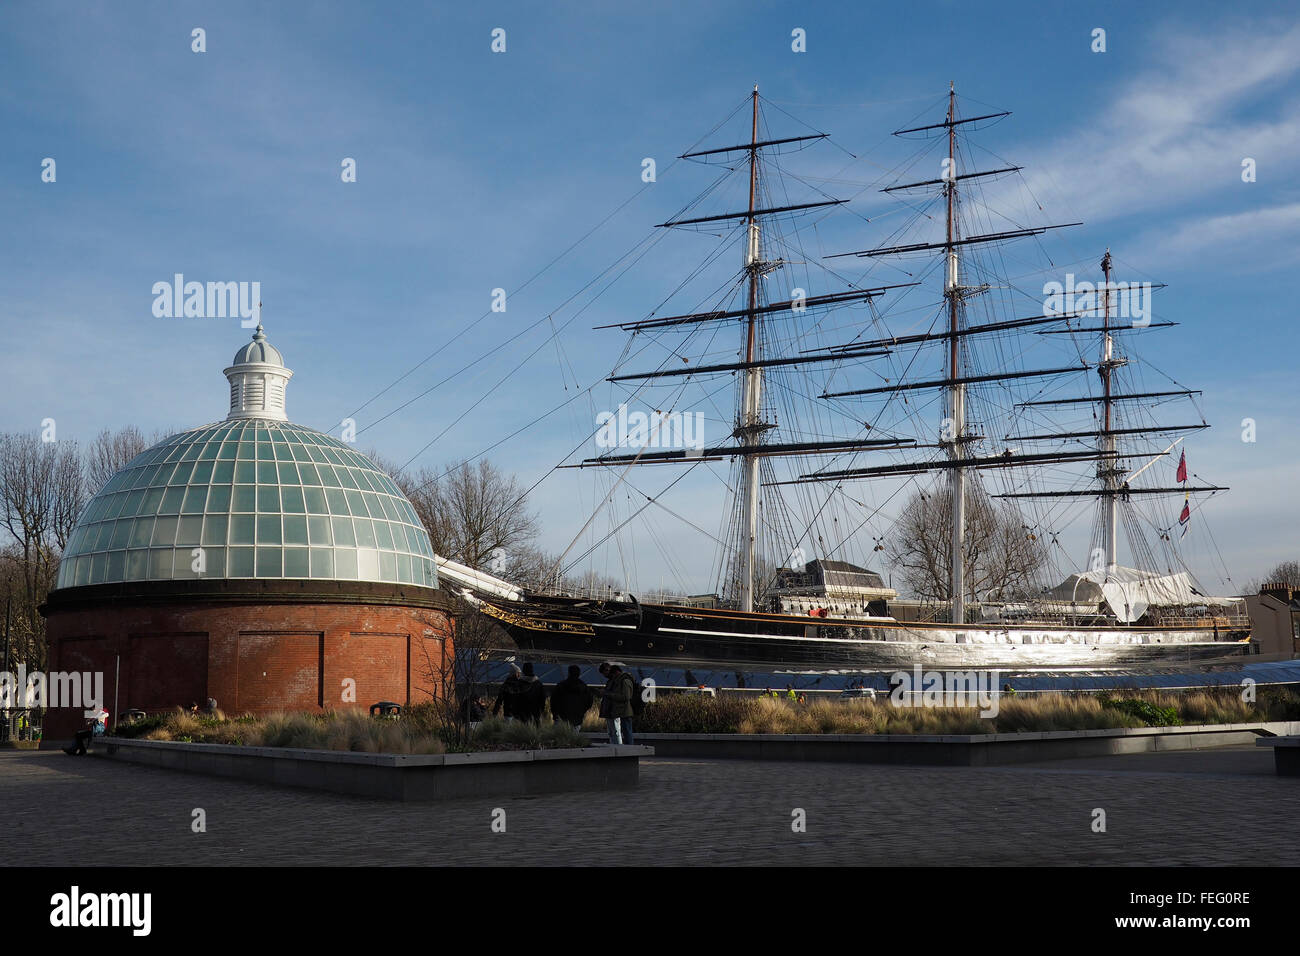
259,351
253,496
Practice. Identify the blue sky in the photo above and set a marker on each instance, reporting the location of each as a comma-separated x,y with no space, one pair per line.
475,170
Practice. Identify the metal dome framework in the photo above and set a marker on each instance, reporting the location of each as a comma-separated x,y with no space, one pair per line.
249,498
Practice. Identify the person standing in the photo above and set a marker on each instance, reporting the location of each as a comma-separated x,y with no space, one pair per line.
534,696
609,704
510,695
619,691
571,699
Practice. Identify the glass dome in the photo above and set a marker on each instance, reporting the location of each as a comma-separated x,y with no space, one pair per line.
252,498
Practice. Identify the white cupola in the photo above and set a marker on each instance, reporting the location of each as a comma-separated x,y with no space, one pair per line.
257,380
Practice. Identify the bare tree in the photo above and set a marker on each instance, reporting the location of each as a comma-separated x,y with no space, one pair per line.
40,500
474,513
1001,555
110,452
1286,572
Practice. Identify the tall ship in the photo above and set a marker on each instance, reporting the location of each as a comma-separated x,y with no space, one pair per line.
915,427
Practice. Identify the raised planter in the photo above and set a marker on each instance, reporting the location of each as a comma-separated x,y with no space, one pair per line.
962,750
1286,754
413,777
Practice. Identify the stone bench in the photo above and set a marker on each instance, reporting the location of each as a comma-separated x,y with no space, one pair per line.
1286,754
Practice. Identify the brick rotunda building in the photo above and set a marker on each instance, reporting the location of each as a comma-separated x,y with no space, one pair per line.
254,561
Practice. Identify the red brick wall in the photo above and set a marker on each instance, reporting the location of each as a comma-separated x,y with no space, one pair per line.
251,658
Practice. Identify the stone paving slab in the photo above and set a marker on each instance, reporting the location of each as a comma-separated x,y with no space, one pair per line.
1206,807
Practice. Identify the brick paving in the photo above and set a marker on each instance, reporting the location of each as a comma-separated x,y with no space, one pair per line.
1209,807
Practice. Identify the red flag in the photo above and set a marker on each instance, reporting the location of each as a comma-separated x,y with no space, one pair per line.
1182,469
1186,516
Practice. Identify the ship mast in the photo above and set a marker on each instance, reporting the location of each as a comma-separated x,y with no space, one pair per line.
1108,469
957,391
749,427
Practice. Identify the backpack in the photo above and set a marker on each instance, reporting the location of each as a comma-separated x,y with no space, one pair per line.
638,701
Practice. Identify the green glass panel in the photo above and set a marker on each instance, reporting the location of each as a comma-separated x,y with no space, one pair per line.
182,473
160,563
343,533
214,529
345,564
268,529
245,498
121,533
116,566
268,499
270,563
141,532
133,501
152,500
338,503
295,529
315,499
404,573
137,564
345,476
264,452
229,451
191,452
388,565
266,473
202,473
215,559
223,472
219,499
189,531
241,529
245,472
365,533
195,497
287,472
171,503
209,451
308,474
357,504
295,563
322,563
164,531
318,527
239,562
291,500
383,535
327,476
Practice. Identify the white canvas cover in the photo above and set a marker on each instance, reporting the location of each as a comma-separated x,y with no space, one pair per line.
1128,592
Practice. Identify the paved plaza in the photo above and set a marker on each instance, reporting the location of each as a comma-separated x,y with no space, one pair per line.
1208,807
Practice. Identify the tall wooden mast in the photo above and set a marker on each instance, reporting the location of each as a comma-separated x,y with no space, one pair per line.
956,426
749,426
1108,470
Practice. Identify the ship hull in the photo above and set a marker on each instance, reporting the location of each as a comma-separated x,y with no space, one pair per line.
646,634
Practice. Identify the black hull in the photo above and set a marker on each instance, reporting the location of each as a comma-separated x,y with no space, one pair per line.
666,636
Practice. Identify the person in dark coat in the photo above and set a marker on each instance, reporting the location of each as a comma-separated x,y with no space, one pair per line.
534,694
510,697
571,698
